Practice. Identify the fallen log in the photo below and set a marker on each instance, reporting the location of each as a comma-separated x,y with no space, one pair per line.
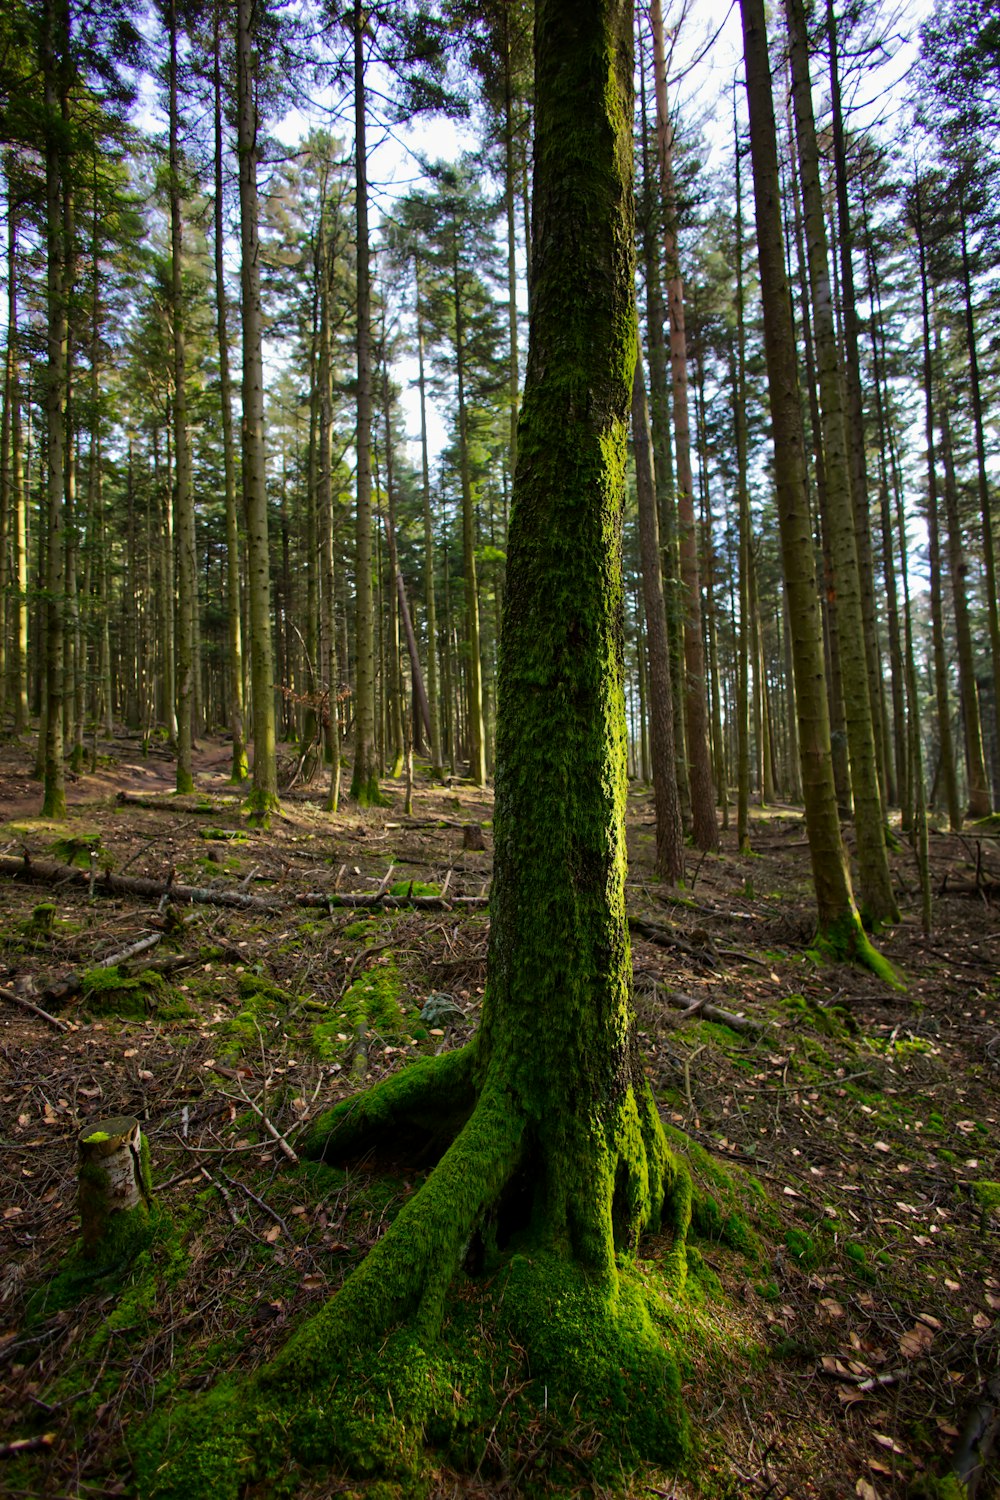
691,1006
390,903
47,872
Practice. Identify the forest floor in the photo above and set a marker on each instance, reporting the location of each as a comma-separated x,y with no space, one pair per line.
862,1320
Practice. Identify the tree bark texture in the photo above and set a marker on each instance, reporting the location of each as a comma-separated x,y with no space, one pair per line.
264,796
878,902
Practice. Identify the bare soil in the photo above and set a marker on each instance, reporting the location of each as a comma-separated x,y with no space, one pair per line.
862,1333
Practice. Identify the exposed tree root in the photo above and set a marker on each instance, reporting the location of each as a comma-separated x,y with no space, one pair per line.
535,1244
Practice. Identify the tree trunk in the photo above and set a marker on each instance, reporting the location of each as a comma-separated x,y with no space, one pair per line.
433,691
234,627
663,459
704,826
263,798
669,832
946,751
559,1161
187,575
474,664
55,49
364,781
982,479
839,927
878,903
958,568
855,409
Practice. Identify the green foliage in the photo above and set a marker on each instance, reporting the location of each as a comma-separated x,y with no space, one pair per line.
833,1021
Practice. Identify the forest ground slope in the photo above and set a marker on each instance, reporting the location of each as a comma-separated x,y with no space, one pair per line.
845,1144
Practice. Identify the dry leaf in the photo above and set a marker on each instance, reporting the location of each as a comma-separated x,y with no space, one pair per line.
831,1307
883,1146
12,1212
916,1342
982,1321
953,1286
272,1234
930,1320
849,1394
884,1441
312,1283
948,1429
865,1490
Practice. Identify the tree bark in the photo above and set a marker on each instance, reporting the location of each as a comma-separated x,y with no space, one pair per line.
263,798
839,925
234,627
878,903
946,750
669,832
187,576
55,60
704,826
364,781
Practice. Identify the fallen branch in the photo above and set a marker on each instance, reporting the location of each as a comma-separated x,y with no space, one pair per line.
71,984
27,1445
390,903
47,872
171,802
36,1010
272,1130
690,1007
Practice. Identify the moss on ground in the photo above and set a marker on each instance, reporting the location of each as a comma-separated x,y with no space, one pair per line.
111,991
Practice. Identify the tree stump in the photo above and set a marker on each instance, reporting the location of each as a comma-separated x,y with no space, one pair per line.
472,837
114,1185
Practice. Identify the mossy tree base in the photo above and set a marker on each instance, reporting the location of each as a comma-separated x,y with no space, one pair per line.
845,941
260,806
468,1302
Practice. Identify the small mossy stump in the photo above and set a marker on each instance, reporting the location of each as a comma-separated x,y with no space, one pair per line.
115,1187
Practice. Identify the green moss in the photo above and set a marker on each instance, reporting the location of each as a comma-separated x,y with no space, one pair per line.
833,1021
137,1247
407,888
987,1195
113,992
935,1487
845,941
361,929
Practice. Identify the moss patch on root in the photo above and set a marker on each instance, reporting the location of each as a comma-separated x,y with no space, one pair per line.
845,941
538,1344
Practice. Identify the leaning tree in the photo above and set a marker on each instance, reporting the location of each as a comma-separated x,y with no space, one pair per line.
551,1157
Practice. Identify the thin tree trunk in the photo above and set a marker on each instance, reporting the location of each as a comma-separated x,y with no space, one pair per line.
263,798
958,568
947,755
704,825
364,781
477,734
663,460
839,926
985,504
433,691
669,831
877,900
234,627
55,49
184,530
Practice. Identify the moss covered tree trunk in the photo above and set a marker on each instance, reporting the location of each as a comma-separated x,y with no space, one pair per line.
879,902
839,926
558,1161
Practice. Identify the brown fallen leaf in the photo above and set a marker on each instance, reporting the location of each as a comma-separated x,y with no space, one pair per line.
272,1234
865,1491
884,1441
916,1342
